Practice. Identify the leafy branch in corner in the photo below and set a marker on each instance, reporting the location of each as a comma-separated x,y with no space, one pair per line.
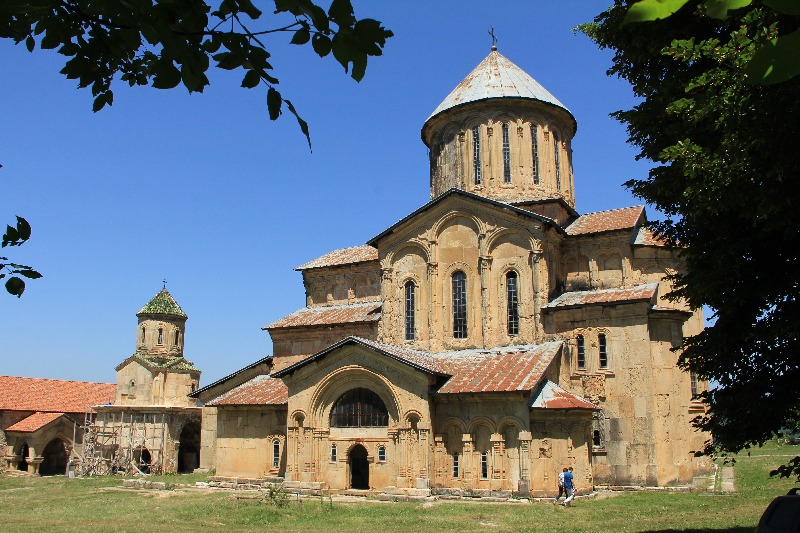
166,43
16,237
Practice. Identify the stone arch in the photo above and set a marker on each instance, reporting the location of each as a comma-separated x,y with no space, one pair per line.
503,235
335,384
453,430
412,245
54,458
481,421
358,463
24,453
445,220
189,448
413,417
298,417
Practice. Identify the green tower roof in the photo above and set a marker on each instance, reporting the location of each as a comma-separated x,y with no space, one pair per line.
162,304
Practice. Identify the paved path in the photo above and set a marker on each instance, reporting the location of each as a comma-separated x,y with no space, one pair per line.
727,479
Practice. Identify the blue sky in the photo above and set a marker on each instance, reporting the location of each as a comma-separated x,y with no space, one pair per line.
204,191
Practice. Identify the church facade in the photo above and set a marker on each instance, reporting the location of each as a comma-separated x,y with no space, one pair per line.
485,341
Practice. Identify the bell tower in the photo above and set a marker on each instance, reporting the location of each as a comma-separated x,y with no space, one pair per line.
161,327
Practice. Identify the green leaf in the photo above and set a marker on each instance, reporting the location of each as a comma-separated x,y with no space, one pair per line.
29,273
23,229
321,44
718,9
776,61
301,36
229,60
166,75
789,7
649,10
30,43
10,236
247,6
303,124
15,286
251,79
341,12
100,102
274,101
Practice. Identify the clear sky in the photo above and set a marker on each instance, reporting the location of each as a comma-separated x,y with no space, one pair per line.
204,191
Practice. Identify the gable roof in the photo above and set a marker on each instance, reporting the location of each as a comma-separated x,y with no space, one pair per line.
34,422
156,362
637,293
497,77
260,390
458,192
162,304
551,396
507,369
612,220
263,361
647,237
343,256
330,315
52,395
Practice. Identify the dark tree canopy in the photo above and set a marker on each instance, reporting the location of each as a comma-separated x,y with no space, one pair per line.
727,177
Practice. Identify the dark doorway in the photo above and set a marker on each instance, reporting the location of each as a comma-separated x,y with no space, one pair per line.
189,450
24,453
54,459
359,468
143,460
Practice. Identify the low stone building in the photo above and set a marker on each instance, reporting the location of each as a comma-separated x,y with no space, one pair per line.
152,425
483,342
41,421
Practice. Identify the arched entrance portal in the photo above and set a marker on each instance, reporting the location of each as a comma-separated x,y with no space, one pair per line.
189,450
142,460
359,468
54,458
24,453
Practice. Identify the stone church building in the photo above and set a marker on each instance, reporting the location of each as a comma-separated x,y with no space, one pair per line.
485,341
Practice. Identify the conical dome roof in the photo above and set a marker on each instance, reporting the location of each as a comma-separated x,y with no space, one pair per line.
162,304
496,77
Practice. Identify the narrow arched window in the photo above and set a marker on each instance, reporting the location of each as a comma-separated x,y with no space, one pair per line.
535,153
144,334
597,442
160,335
506,155
581,352
333,453
476,155
693,382
455,465
276,453
410,290
459,305
381,454
603,350
484,465
176,337
512,303
557,159
359,408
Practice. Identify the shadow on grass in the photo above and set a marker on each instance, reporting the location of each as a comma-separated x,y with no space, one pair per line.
695,530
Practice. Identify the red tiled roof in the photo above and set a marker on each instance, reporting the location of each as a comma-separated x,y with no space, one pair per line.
551,396
646,237
52,395
261,390
329,315
417,358
604,296
343,256
615,219
513,368
34,422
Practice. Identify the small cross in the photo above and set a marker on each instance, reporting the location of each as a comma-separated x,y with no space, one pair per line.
494,39
165,284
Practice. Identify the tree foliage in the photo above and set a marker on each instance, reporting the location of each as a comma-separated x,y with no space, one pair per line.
726,176
166,43
16,236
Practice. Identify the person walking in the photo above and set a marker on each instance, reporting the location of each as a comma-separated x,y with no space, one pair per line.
570,487
561,489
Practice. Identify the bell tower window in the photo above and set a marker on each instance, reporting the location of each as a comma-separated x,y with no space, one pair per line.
535,153
476,154
410,290
160,335
144,330
459,305
512,303
557,159
177,333
506,155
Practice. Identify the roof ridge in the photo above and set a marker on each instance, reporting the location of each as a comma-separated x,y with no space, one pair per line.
615,209
60,380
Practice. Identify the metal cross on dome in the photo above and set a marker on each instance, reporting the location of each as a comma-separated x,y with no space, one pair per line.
494,39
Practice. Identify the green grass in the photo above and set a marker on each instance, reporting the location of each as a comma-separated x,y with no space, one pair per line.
97,505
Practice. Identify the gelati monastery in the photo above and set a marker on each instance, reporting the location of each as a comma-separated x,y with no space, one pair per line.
483,342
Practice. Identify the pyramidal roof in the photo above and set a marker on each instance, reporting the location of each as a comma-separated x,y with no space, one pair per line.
496,77
162,304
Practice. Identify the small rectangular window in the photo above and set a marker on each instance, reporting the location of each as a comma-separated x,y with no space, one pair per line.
276,453
381,454
333,453
455,464
581,352
484,465
695,388
601,341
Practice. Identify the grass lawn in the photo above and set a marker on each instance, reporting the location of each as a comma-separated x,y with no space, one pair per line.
97,504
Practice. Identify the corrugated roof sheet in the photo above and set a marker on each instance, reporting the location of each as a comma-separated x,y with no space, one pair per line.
604,296
496,77
329,315
343,256
551,396
34,422
261,390
52,395
162,304
508,369
615,219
